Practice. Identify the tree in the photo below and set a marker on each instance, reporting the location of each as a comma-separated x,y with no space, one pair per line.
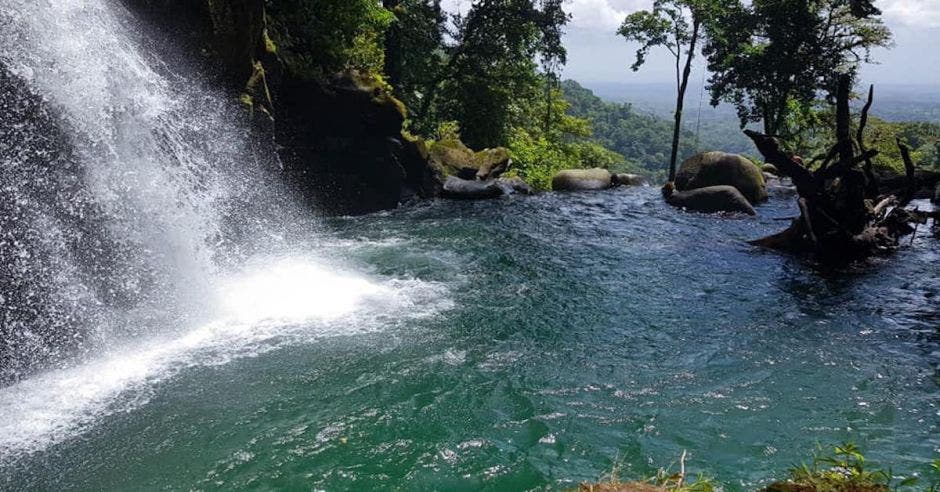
414,52
489,62
772,57
317,38
667,25
842,218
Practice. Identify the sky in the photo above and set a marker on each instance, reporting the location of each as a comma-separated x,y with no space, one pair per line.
597,54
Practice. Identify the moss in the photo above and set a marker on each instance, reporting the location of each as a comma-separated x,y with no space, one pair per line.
257,87
719,168
269,46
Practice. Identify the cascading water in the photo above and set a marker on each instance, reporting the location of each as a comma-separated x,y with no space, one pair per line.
132,209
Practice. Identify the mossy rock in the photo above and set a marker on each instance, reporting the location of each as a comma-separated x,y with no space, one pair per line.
456,159
722,169
770,169
582,180
423,176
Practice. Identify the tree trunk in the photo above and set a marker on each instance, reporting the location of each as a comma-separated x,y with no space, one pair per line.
680,101
393,54
839,221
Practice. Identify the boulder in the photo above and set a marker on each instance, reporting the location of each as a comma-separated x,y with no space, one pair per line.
779,187
719,168
582,180
770,169
492,163
423,177
710,199
515,185
465,189
936,194
456,159
624,179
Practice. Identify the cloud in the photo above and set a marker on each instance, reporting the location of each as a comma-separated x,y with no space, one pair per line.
915,13
595,15
602,15
591,15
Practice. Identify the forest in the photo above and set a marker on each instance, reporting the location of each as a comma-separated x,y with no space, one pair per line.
491,75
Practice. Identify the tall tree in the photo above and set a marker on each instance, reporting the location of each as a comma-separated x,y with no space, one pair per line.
414,52
771,57
553,19
675,25
490,61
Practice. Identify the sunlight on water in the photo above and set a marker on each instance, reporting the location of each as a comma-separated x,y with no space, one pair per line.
286,301
294,291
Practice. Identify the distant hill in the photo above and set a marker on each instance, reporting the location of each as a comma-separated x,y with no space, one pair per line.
647,111
893,102
710,128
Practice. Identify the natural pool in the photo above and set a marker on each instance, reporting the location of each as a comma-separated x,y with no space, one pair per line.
521,343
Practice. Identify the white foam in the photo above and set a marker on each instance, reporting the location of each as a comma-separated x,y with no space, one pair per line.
271,305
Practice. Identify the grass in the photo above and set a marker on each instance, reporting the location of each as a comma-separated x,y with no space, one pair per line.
845,469
841,469
664,481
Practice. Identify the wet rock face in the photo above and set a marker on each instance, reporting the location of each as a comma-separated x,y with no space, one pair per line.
342,146
339,140
51,231
721,169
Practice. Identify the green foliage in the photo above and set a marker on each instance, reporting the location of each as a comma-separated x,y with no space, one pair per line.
843,470
642,139
667,25
321,37
485,68
415,56
766,55
539,152
810,134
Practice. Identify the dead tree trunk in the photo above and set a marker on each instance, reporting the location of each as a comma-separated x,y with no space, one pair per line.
841,218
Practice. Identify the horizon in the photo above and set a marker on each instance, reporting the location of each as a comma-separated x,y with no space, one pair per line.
597,54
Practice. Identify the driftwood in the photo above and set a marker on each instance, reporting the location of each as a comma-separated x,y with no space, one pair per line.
842,217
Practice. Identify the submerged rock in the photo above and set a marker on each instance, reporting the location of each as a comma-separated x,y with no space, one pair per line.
625,179
472,189
466,189
719,168
709,199
515,185
780,187
582,180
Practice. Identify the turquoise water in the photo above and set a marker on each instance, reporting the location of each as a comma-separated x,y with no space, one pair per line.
543,339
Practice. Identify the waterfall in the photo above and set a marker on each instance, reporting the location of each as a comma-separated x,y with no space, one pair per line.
139,234
147,177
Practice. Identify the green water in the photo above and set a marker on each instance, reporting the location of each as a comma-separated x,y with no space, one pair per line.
561,334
